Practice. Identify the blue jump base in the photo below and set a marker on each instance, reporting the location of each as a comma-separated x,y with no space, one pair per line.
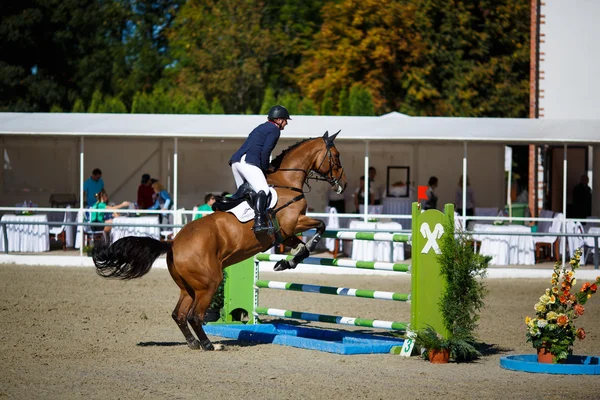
339,342
575,365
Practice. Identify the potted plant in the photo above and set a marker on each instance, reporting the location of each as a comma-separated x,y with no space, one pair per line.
461,300
213,312
88,250
439,350
552,331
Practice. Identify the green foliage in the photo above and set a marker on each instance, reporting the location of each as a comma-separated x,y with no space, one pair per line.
462,270
291,101
112,105
268,101
461,346
343,103
307,107
56,108
78,106
197,105
97,102
361,102
216,107
327,104
218,300
142,104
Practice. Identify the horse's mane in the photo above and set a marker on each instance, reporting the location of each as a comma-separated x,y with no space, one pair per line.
277,160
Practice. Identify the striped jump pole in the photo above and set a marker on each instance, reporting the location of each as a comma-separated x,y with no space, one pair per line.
343,263
332,319
338,291
242,284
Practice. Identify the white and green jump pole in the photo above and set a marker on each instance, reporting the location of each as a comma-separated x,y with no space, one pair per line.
242,283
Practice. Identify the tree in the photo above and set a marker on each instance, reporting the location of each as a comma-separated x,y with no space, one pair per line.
216,107
56,108
97,102
142,104
361,102
327,103
78,106
307,107
220,48
343,103
291,101
268,101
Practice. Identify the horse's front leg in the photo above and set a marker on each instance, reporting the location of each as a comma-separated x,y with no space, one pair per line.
301,251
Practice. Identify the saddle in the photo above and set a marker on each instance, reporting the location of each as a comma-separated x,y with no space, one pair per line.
244,193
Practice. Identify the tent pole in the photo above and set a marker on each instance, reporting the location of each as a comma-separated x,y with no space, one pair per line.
564,207
367,183
81,148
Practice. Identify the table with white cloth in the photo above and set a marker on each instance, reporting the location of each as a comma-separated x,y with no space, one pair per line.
118,232
368,250
26,238
506,249
397,205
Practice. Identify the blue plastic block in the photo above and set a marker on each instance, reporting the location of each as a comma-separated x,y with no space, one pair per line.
339,342
575,365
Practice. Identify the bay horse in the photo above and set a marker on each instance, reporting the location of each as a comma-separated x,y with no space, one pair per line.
204,247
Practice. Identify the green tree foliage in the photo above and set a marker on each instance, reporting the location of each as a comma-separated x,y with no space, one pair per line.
112,105
343,102
221,48
78,106
361,102
142,104
216,107
307,107
327,104
291,101
56,108
97,102
268,101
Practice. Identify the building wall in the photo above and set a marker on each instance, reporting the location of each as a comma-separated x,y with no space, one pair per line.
569,59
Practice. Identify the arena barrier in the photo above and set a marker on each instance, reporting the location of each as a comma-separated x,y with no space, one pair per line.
243,284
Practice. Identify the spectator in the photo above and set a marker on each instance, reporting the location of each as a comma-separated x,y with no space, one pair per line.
209,200
145,193
92,186
374,188
163,200
458,198
431,202
336,200
107,217
582,198
359,195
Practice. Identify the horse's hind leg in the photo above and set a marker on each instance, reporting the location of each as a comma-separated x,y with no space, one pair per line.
195,317
180,316
302,251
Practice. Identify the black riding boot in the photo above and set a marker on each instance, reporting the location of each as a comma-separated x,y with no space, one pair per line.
261,220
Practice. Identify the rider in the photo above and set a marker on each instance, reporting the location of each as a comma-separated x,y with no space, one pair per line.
251,162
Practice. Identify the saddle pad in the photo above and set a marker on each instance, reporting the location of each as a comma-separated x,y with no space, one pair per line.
244,212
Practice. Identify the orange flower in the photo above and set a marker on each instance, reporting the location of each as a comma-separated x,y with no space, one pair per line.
580,333
572,297
562,299
585,287
566,293
562,320
579,309
593,288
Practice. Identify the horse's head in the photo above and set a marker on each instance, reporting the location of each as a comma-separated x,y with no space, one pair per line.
328,165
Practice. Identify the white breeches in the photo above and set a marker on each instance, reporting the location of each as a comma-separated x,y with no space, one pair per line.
243,172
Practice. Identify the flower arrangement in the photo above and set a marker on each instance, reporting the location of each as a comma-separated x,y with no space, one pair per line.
553,328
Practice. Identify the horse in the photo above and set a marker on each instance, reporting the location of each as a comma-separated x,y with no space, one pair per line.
204,247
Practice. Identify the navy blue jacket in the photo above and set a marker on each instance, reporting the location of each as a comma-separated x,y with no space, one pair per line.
259,145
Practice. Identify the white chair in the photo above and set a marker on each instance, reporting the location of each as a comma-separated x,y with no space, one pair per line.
60,232
170,233
548,242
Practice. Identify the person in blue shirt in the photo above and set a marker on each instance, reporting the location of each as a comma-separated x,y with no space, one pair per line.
163,200
251,162
92,186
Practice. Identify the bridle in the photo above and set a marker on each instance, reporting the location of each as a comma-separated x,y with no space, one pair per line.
316,174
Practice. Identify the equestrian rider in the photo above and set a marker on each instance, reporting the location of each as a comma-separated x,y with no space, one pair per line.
251,162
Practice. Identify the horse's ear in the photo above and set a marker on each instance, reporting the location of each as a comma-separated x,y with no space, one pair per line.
326,135
332,137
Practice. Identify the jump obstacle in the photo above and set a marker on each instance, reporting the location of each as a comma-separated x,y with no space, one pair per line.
242,287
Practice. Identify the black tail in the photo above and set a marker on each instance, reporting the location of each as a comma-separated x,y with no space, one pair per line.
128,258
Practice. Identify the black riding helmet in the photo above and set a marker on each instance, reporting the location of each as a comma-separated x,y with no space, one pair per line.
278,112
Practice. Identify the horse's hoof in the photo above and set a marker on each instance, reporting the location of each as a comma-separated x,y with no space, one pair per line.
195,345
282,265
207,345
219,347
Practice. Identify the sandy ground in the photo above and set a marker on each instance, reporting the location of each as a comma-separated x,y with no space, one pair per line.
67,333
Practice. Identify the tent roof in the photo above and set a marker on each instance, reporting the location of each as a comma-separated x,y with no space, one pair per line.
392,126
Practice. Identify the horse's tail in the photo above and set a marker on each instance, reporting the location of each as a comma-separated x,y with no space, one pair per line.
128,258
